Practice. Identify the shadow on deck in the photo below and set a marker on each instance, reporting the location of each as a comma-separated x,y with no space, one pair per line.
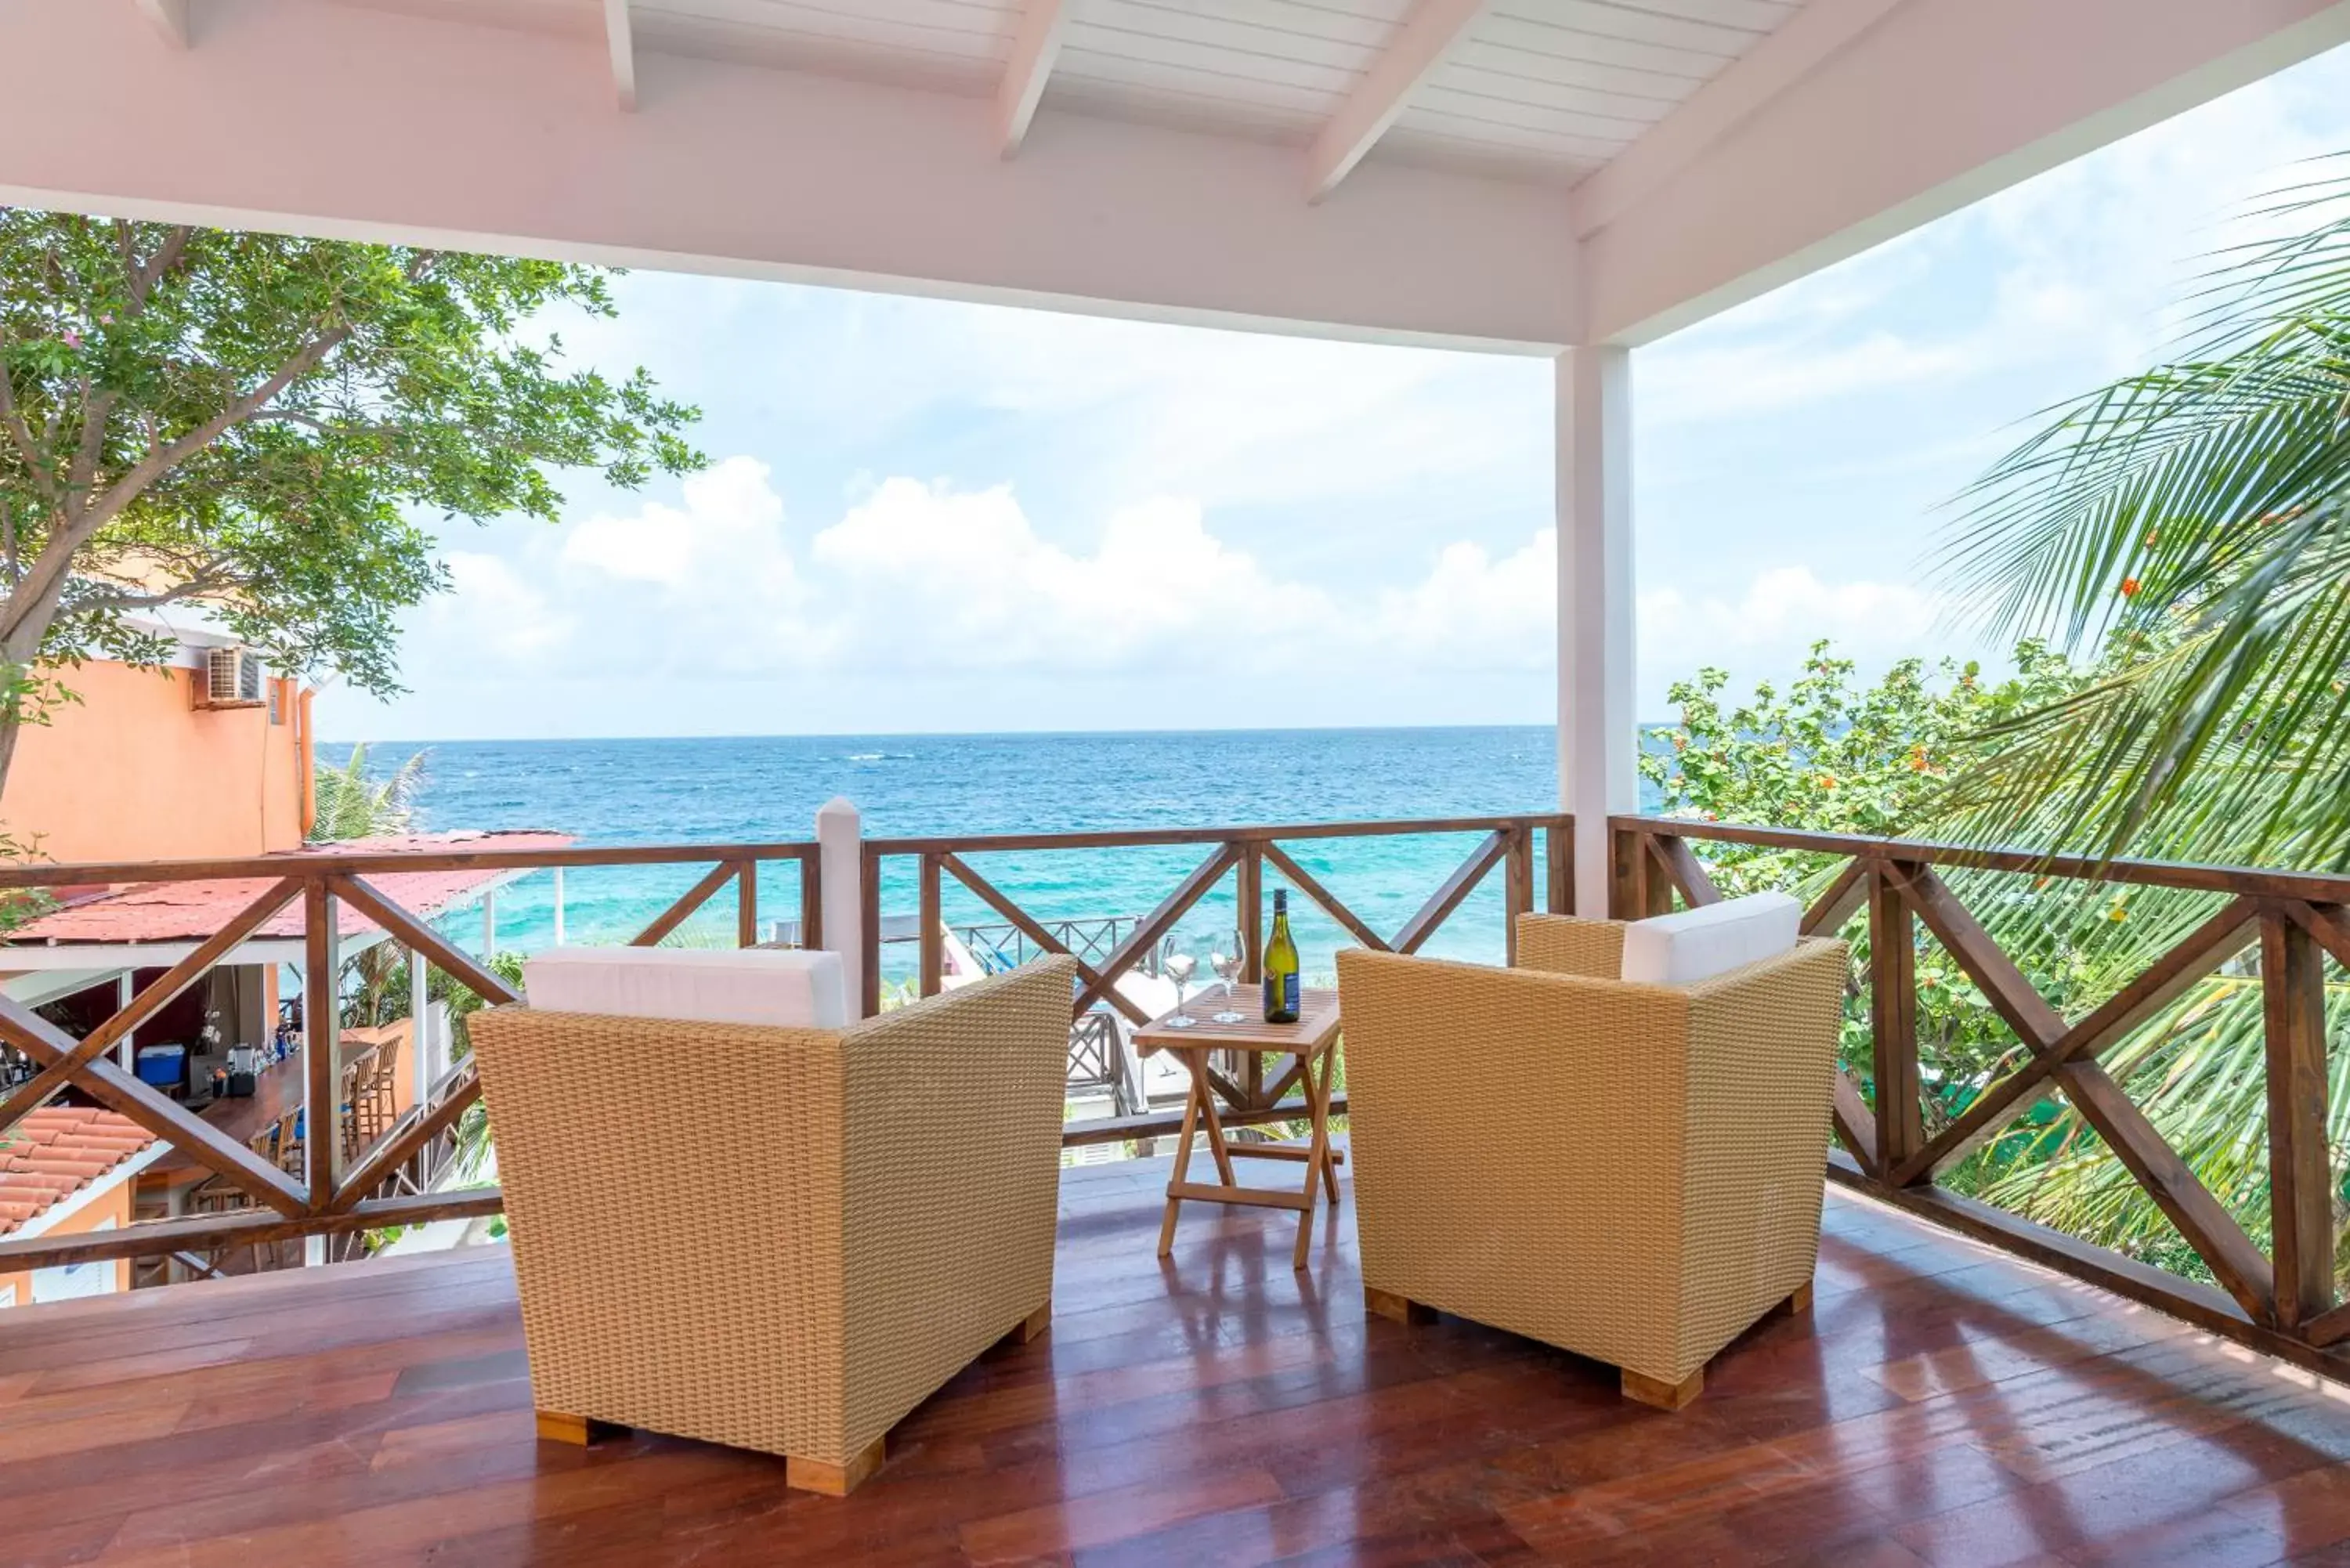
1941,1404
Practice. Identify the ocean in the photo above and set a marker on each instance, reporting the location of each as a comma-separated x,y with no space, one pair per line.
620,792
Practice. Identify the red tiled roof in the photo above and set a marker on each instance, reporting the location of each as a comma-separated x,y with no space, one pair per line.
56,1151
190,911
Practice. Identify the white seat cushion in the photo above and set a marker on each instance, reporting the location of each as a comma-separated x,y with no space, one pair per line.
780,986
1677,948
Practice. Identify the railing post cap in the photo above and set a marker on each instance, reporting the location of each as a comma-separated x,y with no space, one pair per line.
838,809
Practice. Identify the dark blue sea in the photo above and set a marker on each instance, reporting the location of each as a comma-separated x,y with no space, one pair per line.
617,791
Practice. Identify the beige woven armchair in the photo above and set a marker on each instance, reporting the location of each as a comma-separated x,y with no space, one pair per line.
778,1238
1630,1172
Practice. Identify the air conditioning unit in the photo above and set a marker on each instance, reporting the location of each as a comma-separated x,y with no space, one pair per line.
232,678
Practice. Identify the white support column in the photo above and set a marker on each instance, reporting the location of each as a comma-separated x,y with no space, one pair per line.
421,1069
489,925
840,844
558,906
126,990
1599,732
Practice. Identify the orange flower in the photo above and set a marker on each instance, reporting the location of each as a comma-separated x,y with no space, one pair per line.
1827,781
2129,587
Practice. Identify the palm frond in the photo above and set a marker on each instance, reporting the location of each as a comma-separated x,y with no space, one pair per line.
350,801
2194,522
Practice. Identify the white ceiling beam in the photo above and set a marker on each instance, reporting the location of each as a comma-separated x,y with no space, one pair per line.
520,156
1937,104
1801,43
1426,37
1033,49
169,18
622,38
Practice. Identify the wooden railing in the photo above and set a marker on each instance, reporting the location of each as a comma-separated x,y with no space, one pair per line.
324,1197
2281,1301
1244,854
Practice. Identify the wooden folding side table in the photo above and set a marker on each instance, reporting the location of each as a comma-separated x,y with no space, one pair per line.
1312,1040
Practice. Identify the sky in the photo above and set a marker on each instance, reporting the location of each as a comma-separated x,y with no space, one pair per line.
925,516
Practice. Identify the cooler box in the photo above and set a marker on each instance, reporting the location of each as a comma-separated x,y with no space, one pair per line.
165,1066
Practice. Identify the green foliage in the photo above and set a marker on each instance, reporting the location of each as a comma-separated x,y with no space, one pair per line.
1831,755
2194,517
352,803
473,1131
262,423
2199,506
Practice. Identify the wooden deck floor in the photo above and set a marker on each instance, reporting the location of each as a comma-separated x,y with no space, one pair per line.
1940,1405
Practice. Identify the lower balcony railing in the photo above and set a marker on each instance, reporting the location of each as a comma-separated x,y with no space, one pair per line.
1515,845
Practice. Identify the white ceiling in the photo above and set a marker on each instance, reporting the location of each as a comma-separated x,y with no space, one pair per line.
1542,90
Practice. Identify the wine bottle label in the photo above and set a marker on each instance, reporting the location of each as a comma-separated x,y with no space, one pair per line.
1280,994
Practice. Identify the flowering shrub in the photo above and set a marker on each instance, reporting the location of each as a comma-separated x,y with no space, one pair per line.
1833,755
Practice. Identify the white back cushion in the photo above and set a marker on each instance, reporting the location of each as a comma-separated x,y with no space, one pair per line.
779,986
1675,949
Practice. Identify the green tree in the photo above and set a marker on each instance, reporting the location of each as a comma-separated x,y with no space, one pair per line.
1833,755
254,421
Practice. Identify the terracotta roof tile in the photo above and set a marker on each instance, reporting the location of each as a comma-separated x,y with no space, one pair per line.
56,1151
190,911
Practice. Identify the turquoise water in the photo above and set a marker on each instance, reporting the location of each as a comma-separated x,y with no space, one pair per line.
768,788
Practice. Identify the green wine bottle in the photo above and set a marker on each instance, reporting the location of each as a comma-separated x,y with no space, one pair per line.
1281,965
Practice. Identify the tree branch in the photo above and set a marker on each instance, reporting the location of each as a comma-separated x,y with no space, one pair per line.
203,583
79,479
21,435
164,261
42,584
323,427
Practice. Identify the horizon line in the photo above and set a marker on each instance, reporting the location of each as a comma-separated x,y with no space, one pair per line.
1133,733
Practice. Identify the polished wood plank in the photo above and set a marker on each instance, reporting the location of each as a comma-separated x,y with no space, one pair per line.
1939,1402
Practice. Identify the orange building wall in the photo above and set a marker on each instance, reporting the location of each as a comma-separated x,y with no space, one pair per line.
136,772
114,1206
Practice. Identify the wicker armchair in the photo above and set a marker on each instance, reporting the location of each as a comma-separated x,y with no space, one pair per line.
778,1238
1630,1172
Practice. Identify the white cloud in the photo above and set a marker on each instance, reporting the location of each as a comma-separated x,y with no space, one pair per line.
922,575
730,529
923,579
492,608
1136,513
1764,631
2084,267
920,581
1474,611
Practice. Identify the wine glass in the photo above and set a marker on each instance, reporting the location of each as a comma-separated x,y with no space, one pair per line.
1228,967
1180,967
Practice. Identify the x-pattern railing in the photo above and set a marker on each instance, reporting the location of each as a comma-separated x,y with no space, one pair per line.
2282,1300
1088,939
324,1197
1241,854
